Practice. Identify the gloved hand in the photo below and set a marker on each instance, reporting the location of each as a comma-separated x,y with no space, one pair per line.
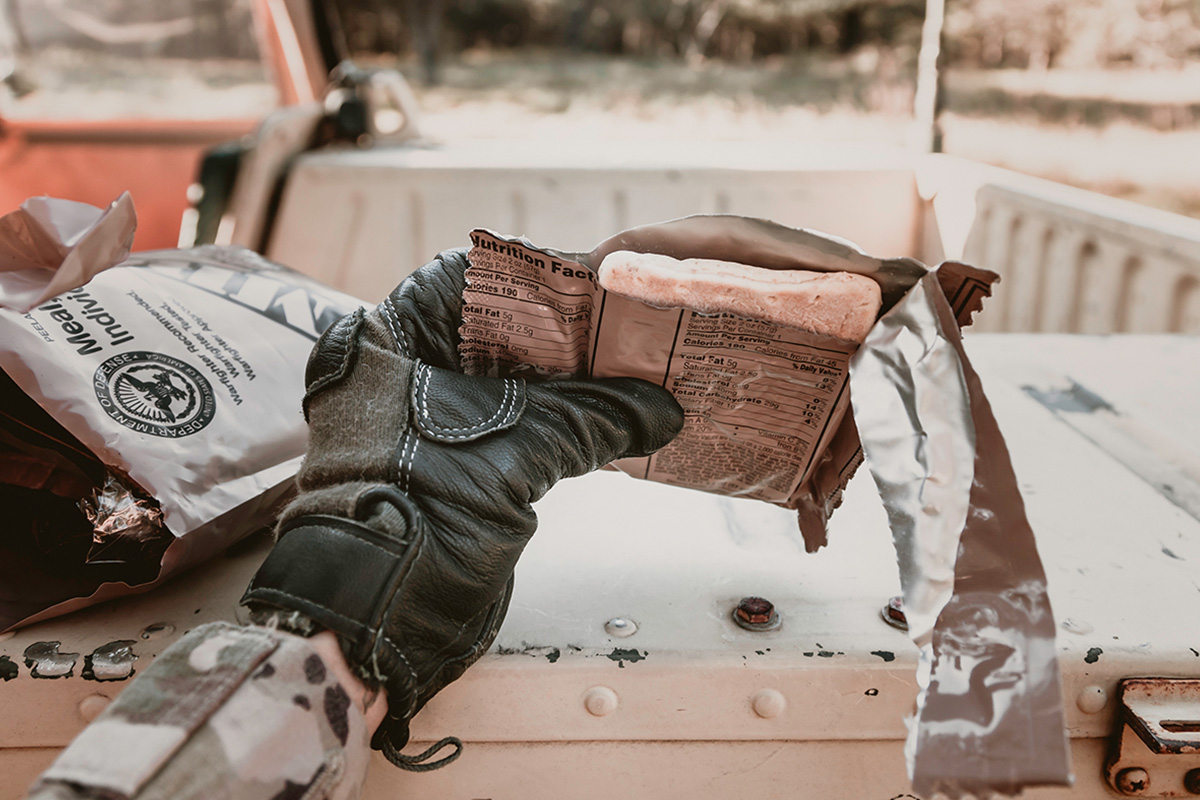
415,493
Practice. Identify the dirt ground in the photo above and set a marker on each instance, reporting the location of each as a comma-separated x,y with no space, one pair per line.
1134,135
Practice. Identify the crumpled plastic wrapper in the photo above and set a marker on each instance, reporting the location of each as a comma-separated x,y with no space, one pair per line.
118,514
149,403
989,716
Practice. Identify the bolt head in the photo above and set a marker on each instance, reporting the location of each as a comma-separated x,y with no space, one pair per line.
893,613
1133,781
1092,699
755,610
768,703
620,627
1191,781
91,706
600,701
756,614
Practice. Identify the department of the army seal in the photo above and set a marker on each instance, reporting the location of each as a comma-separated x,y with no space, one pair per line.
154,393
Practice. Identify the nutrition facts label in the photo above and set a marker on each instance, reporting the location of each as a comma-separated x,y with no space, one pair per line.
760,400
525,310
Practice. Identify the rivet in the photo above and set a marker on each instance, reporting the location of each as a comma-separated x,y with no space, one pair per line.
756,614
620,627
600,701
1191,781
768,703
893,613
91,706
1133,781
1092,699
157,629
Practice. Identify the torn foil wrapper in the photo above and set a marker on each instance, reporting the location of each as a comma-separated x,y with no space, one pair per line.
149,404
777,415
989,716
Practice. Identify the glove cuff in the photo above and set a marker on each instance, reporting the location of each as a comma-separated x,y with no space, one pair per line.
340,574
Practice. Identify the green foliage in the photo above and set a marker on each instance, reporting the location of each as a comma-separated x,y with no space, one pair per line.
979,33
723,29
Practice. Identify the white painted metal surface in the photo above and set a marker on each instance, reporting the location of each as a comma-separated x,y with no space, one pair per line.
1070,261
361,220
693,706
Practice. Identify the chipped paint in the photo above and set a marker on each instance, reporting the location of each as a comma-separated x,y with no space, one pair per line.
8,668
533,650
621,656
1076,399
45,661
1093,655
823,653
1092,417
871,692
110,662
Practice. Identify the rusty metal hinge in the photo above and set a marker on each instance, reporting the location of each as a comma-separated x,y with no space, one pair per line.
1156,744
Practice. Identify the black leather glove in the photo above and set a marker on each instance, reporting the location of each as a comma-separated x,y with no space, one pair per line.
415,493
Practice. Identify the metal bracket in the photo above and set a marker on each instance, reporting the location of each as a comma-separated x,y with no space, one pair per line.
1156,744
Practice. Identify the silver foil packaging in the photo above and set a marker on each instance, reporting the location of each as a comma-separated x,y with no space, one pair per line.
149,404
989,717
786,416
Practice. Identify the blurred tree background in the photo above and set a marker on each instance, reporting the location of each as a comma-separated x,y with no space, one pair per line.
1033,34
1104,94
1082,91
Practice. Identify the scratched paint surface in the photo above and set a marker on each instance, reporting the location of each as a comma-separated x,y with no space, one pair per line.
45,660
110,662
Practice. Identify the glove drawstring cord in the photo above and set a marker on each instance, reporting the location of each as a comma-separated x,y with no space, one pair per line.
415,763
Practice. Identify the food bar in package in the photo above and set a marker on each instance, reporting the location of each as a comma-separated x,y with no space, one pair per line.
786,415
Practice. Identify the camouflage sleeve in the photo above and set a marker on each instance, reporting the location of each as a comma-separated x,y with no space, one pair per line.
228,711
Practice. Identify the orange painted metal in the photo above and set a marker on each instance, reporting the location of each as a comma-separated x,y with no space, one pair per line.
155,160
94,162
